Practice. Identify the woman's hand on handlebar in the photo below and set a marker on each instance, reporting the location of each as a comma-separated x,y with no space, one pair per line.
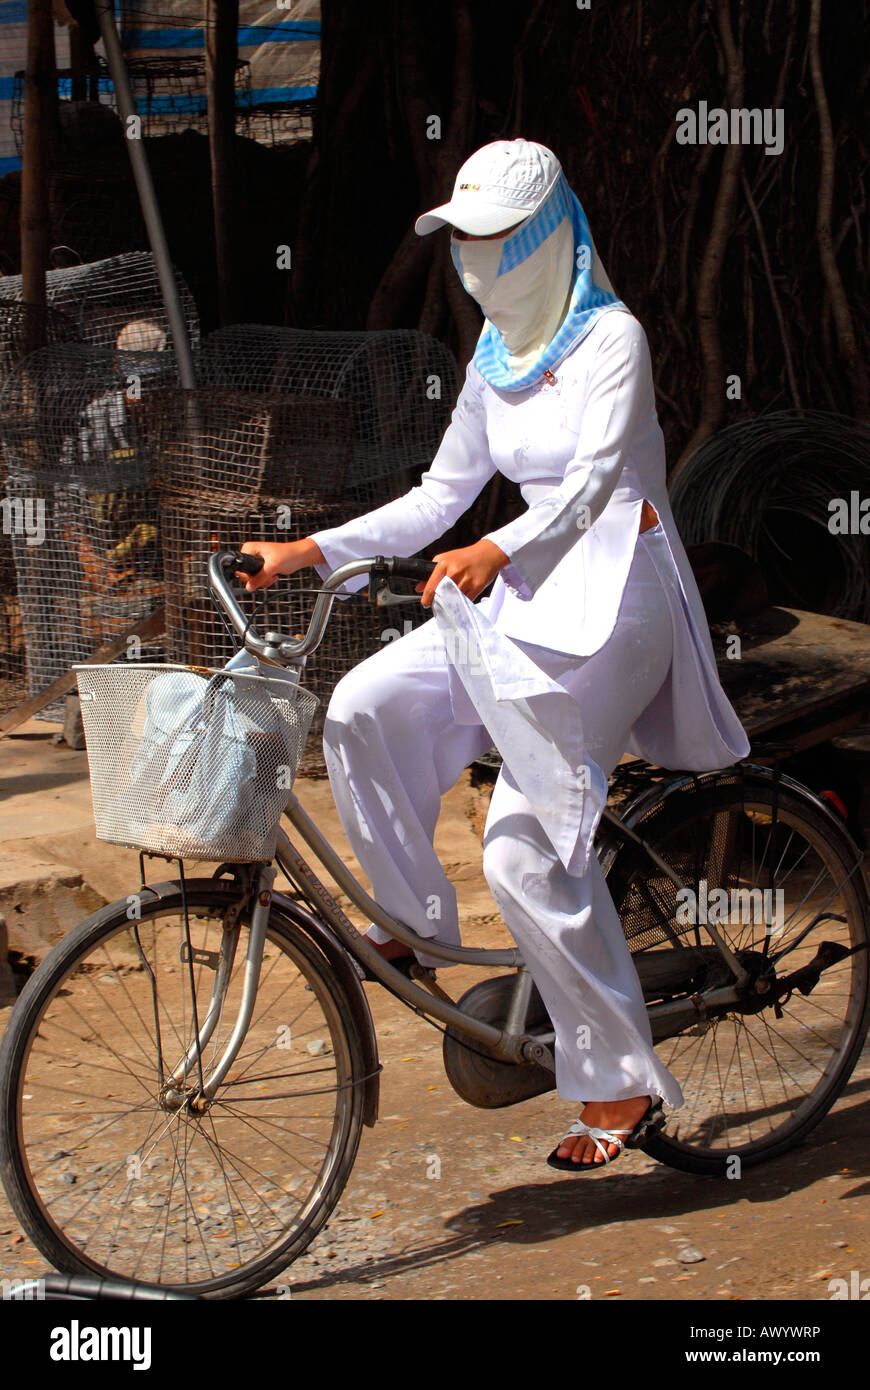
280,557
471,569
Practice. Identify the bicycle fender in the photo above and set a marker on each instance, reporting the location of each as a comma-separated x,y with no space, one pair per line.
661,791
328,943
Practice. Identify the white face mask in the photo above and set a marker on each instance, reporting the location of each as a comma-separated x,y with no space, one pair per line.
480,261
526,304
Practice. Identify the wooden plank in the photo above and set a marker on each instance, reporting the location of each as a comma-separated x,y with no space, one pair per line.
153,626
794,665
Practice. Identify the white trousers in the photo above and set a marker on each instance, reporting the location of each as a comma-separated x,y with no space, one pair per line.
393,748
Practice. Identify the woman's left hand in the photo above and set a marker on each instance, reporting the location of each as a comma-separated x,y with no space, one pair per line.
471,569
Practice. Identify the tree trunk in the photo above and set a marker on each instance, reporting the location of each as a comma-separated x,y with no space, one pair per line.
839,305
602,88
221,54
40,114
713,399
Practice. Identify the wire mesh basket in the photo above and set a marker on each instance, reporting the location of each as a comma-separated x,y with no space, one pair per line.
189,761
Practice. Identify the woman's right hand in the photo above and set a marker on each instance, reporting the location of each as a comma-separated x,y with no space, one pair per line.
280,557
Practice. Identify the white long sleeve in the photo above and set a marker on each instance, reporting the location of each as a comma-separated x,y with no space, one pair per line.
458,472
616,404
587,448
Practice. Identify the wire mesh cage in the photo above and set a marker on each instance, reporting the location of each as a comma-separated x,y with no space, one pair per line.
277,123
234,447
196,632
83,519
169,93
133,479
399,384
108,295
23,329
191,762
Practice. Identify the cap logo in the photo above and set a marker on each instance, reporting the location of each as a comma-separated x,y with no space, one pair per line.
469,185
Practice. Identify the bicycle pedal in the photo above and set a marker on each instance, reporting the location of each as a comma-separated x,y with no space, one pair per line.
425,976
403,964
647,1127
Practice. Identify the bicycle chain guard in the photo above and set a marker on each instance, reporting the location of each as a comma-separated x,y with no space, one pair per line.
479,1076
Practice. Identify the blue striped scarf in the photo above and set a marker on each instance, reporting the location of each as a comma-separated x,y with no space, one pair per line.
491,357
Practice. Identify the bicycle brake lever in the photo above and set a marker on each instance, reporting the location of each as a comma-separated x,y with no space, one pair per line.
385,597
381,591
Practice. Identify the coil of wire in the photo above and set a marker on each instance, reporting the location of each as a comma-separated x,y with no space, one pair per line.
793,490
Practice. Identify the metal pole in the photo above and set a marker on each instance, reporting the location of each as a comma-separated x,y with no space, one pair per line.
147,198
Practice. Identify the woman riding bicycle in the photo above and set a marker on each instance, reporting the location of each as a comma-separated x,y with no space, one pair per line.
593,641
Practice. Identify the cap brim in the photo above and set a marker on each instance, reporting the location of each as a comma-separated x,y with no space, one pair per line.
482,220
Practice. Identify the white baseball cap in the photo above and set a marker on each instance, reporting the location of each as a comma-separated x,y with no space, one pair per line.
499,185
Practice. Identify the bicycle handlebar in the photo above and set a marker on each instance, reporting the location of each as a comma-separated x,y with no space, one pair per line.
401,568
277,647
248,564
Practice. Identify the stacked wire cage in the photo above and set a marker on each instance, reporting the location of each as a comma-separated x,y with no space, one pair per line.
170,93
289,433
400,385
24,328
104,296
230,467
73,421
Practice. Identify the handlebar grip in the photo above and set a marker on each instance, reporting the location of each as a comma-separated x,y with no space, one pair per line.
248,564
412,569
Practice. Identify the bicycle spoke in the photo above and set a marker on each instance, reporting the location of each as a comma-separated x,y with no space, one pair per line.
239,1160
275,1124
79,1039
181,1195
752,1077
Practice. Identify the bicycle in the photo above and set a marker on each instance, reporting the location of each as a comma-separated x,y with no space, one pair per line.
205,1048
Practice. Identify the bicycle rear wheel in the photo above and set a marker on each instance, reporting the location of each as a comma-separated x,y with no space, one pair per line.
757,1077
109,1180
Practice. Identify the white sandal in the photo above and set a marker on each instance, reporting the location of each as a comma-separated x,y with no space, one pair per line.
650,1121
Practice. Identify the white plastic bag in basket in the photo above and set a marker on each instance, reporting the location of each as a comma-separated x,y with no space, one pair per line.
196,761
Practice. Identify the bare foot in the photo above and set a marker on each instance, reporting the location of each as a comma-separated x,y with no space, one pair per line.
614,1115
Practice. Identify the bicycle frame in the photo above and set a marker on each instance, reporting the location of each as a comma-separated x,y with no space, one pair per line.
511,1043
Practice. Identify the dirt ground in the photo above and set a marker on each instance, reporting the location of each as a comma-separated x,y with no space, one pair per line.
489,1219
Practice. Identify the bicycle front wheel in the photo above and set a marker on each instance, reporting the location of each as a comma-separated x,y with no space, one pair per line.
758,1076
110,1179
